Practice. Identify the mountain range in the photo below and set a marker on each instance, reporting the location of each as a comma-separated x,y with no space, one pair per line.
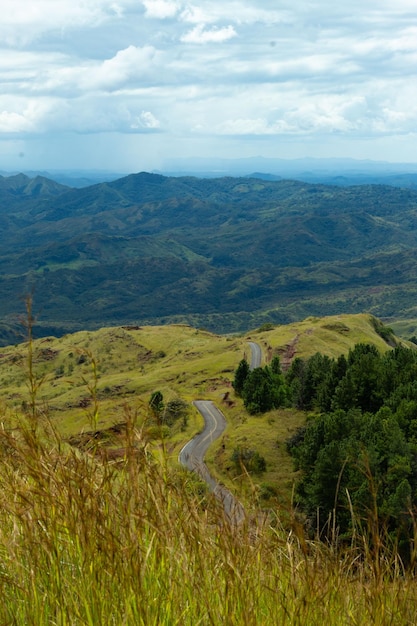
224,253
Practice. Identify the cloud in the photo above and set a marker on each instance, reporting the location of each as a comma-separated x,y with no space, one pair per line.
24,115
12,122
24,21
146,120
200,35
126,68
91,116
161,9
221,73
294,115
236,12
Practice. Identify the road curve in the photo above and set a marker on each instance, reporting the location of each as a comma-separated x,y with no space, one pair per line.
193,453
256,355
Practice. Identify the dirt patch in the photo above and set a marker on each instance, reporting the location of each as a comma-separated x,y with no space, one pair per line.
46,354
289,353
110,435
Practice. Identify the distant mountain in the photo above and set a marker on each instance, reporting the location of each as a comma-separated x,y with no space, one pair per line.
21,185
342,172
72,178
334,171
224,253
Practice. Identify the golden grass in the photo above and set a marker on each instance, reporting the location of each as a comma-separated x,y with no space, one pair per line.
87,542
178,360
332,335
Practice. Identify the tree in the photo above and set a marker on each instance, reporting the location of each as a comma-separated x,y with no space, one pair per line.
259,392
276,366
241,374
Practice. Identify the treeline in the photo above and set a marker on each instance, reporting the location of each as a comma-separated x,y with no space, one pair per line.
357,454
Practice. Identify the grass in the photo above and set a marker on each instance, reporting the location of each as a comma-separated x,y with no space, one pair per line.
333,335
265,434
404,328
130,364
86,540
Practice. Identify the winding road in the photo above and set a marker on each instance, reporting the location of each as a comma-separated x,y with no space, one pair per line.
256,355
193,453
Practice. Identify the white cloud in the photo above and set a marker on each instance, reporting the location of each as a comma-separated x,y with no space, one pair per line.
24,21
236,12
127,67
24,115
161,9
11,122
200,35
146,119
89,115
257,126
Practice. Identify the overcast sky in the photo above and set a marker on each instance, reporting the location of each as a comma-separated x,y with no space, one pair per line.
126,85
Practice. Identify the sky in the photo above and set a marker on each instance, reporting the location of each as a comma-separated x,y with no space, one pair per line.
131,85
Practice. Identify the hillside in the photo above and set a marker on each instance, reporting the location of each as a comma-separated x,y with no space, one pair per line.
99,524
92,380
225,254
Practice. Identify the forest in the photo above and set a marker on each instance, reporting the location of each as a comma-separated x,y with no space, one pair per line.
226,254
357,453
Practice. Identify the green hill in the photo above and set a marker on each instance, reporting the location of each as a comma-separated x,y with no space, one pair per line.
90,380
227,254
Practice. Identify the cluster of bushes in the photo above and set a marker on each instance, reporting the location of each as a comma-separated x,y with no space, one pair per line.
248,460
173,412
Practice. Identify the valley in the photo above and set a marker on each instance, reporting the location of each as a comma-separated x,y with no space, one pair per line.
223,254
90,466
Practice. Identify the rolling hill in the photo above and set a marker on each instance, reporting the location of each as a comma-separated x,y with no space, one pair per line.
226,254
95,379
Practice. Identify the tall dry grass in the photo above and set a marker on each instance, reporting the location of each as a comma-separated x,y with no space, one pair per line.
89,541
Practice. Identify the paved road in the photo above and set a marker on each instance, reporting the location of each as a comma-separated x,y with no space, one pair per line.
256,355
193,453
192,457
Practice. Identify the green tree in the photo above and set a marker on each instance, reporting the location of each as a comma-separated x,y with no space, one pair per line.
241,374
276,366
259,392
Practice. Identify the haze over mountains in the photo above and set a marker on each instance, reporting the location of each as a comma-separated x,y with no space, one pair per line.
225,253
319,170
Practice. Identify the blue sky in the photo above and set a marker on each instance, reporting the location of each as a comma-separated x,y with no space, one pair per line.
128,85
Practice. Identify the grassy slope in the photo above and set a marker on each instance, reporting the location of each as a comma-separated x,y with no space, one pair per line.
182,361
130,364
